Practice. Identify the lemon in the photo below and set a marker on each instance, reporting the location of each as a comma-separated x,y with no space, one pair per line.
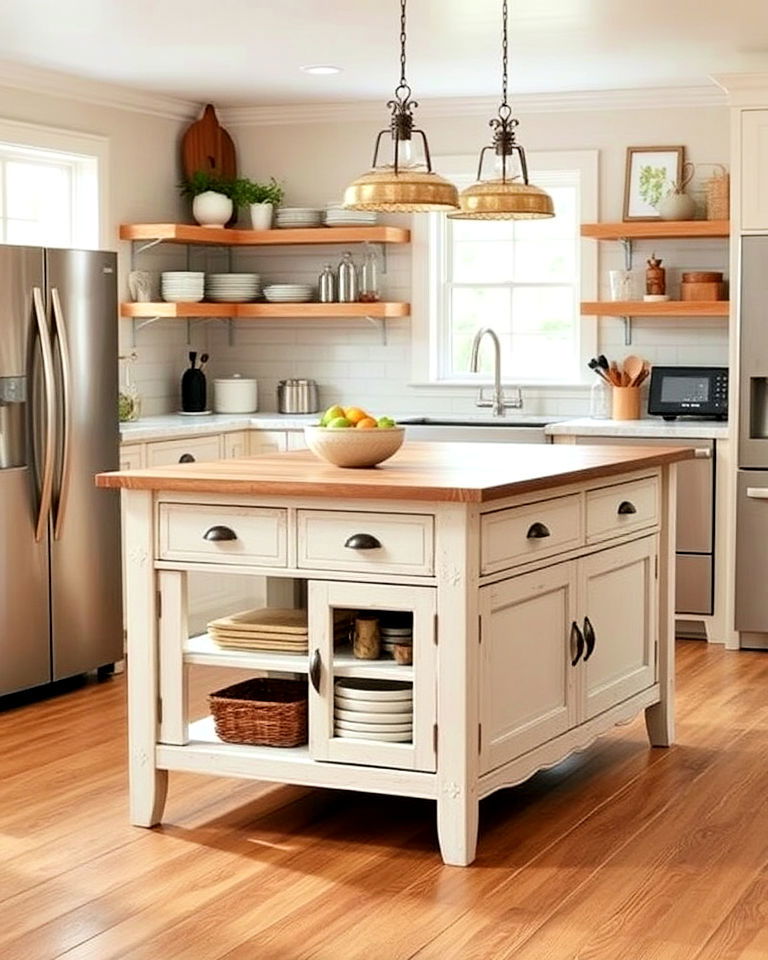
332,413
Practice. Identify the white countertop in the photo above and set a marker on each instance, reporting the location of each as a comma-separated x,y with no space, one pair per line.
656,427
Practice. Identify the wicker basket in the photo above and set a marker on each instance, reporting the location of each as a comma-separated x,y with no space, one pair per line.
262,711
718,195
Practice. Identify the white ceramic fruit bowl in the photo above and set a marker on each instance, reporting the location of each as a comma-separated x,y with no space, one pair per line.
350,447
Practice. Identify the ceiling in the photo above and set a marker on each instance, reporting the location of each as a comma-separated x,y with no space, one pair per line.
241,52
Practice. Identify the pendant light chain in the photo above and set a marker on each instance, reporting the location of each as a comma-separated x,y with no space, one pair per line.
504,54
403,81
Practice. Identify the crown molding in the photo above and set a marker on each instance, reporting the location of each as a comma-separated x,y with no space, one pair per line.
53,83
744,89
654,98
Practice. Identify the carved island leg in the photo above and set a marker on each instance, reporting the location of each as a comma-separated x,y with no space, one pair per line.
148,785
457,683
660,718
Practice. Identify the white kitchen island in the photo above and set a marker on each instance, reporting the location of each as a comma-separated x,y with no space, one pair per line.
539,581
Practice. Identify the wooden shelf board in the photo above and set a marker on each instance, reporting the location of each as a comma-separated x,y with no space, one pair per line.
656,229
256,311
668,308
191,233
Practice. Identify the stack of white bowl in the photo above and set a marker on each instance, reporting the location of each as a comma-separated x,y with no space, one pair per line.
182,286
373,709
232,287
337,216
298,217
289,292
395,631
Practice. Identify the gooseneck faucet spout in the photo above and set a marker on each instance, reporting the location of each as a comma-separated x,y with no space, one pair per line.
499,403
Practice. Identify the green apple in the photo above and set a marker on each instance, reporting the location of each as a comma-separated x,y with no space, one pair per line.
339,423
332,413
386,423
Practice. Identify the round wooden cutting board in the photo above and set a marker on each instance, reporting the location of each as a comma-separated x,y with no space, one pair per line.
207,146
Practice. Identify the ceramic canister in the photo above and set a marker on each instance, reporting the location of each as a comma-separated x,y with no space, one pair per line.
235,394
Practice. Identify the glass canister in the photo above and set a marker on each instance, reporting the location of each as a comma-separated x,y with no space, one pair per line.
369,279
128,398
347,280
600,400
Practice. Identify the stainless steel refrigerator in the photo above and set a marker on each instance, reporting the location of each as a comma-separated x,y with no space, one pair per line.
60,589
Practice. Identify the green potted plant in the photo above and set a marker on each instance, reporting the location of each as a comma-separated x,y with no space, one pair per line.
212,203
262,198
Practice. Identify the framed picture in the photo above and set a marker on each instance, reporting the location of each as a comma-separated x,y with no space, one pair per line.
651,171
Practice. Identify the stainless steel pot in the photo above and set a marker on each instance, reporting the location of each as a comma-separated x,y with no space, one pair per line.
297,396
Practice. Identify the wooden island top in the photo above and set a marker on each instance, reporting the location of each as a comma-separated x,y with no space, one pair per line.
452,472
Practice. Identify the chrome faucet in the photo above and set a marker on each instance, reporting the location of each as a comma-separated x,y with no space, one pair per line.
499,402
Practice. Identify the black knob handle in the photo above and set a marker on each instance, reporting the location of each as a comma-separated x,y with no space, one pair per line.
577,641
362,541
315,667
219,533
589,636
186,458
537,531
626,506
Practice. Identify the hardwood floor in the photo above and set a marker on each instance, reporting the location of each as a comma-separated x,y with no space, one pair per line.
622,853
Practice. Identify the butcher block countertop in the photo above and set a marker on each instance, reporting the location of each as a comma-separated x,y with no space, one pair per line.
454,472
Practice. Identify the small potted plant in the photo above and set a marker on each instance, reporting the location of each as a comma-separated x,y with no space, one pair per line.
262,198
212,203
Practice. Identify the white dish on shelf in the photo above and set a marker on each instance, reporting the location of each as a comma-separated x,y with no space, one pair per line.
373,716
361,688
373,727
360,735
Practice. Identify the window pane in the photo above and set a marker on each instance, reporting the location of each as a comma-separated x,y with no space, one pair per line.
551,262
38,203
543,332
483,261
472,308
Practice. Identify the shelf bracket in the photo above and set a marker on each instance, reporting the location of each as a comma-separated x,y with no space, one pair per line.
138,324
627,321
146,246
626,243
381,323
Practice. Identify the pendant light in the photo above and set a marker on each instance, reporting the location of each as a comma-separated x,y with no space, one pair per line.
510,197
402,185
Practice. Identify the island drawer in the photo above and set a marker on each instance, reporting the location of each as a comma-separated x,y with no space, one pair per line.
213,534
358,541
521,534
621,508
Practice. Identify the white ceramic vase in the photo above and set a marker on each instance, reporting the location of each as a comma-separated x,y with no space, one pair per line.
212,209
677,206
261,216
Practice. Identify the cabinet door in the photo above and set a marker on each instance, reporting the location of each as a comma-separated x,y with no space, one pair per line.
754,160
131,456
235,444
332,605
195,449
617,604
528,692
296,440
263,442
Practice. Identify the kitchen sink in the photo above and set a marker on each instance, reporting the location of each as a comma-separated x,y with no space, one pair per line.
470,422
474,429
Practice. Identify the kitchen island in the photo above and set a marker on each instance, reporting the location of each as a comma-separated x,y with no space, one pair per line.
538,582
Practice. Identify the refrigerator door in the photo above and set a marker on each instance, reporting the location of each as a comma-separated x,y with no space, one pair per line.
24,612
752,551
753,381
86,601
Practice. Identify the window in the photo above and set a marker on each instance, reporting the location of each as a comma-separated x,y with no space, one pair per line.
49,193
523,278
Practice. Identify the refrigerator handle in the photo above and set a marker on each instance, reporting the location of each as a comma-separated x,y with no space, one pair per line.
46,350
66,380
757,493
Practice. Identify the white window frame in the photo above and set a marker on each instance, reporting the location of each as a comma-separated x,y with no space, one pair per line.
429,268
88,156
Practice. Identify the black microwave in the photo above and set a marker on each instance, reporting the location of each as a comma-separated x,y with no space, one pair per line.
689,392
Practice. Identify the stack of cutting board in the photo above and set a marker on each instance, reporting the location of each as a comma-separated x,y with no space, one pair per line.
268,628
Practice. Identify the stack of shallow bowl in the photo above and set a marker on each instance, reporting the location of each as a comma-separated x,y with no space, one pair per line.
232,287
296,218
373,709
182,286
337,216
289,292
395,630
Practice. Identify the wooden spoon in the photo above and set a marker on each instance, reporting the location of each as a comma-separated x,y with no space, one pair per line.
614,374
633,367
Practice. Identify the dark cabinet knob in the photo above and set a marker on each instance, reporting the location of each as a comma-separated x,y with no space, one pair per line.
589,637
362,541
577,644
537,531
186,458
315,667
219,533
626,507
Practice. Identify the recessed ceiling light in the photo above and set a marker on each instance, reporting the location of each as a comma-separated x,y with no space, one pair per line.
320,69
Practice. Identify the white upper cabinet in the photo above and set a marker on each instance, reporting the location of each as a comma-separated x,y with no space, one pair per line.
754,170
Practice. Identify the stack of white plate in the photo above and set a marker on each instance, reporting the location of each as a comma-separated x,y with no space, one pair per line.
373,710
395,630
232,287
182,286
337,216
289,292
298,217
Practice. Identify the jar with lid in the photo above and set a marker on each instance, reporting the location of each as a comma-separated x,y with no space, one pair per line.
600,400
326,284
347,280
128,398
369,282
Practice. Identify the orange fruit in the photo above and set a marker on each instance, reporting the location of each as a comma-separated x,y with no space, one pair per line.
367,423
355,414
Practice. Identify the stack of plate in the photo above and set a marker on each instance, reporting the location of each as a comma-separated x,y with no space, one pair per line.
182,286
373,709
298,217
337,216
268,628
232,287
395,629
289,292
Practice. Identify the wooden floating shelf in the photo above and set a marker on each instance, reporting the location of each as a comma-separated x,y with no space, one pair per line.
667,308
657,229
259,311
190,233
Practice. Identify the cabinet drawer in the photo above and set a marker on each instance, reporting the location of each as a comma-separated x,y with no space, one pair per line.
196,532
333,540
180,451
520,534
614,511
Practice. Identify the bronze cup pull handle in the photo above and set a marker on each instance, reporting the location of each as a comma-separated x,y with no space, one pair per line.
590,637
362,541
626,507
219,533
315,667
577,642
538,531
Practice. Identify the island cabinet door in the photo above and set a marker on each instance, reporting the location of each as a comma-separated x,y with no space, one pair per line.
528,691
365,707
617,598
